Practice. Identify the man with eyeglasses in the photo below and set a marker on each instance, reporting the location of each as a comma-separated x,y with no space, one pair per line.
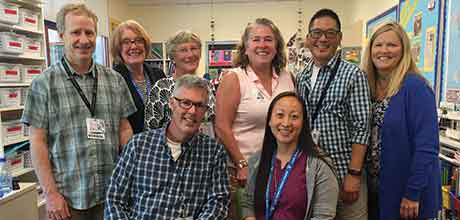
173,172
77,112
337,97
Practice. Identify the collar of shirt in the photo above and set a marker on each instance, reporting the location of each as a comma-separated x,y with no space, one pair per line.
254,78
91,68
185,145
330,64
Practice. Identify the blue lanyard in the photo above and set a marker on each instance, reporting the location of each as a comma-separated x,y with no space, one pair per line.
279,189
148,85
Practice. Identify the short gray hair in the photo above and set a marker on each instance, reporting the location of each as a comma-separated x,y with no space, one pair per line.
180,37
78,9
191,82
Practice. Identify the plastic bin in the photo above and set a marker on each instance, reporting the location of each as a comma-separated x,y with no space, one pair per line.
28,19
32,47
29,72
11,43
24,92
10,72
12,130
9,13
10,97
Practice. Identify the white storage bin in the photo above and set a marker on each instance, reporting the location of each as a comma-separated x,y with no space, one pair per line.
30,71
10,97
28,19
24,92
11,43
12,130
9,13
10,72
32,46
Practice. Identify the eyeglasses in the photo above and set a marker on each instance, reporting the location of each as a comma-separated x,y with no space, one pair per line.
137,41
187,104
185,50
317,33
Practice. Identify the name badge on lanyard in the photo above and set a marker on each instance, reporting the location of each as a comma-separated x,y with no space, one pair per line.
95,128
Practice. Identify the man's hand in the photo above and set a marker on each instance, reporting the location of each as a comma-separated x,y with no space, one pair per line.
56,207
242,175
351,188
408,209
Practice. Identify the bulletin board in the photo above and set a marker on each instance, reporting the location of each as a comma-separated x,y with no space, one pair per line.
387,16
421,20
450,90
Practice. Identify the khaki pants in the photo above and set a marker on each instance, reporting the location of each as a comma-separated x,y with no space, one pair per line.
356,210
93,213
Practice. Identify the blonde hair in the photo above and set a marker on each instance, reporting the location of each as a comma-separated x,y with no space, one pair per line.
280,59
180,37
115,43
77,9
406,64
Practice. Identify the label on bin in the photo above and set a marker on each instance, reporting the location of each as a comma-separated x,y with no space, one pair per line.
11,72
30,20
10,11
15,44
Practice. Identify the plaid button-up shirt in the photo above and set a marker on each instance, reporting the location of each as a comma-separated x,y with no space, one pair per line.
344,117
148,184
81,167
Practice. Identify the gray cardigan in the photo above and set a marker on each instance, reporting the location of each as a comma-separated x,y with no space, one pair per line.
322,189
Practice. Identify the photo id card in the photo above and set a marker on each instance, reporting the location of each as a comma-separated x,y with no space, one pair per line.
95,128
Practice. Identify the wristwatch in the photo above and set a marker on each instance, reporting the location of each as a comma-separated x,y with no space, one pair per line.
242,164
354,172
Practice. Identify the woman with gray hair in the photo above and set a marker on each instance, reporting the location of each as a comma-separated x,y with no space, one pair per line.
185,50
130,45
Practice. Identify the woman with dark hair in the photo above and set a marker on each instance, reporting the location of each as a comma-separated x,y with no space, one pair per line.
294,181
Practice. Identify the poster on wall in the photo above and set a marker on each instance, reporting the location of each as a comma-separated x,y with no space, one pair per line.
421,20
450,91
387,16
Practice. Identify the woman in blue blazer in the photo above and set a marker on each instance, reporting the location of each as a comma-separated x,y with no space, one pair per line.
402,160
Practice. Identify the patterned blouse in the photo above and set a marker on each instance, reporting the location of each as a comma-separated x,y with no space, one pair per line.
157,112
373,154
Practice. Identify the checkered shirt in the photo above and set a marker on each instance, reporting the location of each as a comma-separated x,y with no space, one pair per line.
81,167
148,184
344,117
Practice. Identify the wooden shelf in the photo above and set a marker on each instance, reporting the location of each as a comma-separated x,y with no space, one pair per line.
21,56
449,142
35,4
22,172
17,140
15,108
20,84
24,187
19,29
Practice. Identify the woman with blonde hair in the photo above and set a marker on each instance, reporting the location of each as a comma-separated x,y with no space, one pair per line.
402,161
130,46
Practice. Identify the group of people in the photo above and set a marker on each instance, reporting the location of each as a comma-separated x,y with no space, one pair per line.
334,142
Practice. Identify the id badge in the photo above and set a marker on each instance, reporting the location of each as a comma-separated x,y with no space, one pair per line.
315,136
95,128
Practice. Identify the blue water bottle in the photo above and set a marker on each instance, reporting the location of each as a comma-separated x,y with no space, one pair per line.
5,178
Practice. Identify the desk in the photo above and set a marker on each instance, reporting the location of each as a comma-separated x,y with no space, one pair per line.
20,204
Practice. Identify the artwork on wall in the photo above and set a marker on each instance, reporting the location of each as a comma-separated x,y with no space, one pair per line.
352,54
421,20
387,16
450,90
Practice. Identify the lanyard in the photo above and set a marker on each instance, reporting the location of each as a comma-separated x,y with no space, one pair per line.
319,104
279,189
91,107
148,86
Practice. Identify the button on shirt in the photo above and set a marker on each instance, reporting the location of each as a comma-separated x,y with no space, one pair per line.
344,117
148,184
81,167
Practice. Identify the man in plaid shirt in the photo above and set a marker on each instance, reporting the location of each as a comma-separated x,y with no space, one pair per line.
337,97
173,172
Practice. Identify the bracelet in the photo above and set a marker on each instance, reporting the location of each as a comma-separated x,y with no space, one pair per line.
354,172
242,164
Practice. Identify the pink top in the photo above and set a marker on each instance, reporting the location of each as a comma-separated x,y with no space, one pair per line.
249,124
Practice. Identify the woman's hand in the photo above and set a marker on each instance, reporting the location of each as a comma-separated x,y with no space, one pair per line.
408,209
242,175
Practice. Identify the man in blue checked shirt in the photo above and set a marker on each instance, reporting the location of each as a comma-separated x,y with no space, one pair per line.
337,97
173,172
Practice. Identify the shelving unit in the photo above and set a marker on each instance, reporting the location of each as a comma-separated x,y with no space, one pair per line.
23,203
159,58
219,55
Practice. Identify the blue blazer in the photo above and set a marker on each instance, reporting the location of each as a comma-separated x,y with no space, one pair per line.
410,146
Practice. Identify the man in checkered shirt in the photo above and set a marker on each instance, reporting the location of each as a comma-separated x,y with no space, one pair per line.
173,172
337,97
